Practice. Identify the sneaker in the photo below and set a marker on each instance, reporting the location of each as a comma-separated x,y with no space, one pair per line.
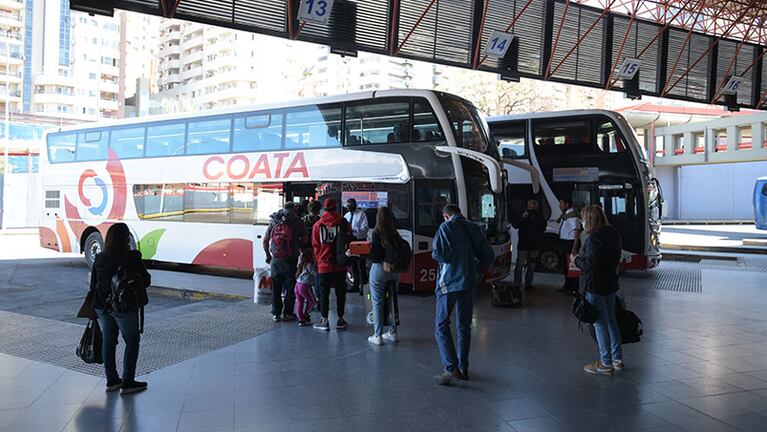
598,368
341,324
375,340
447,377
303,323
390,336
276,318
288,317
323,325
115,385
618,365
464,374
133,387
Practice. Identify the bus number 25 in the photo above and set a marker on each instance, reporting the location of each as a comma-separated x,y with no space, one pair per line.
427,275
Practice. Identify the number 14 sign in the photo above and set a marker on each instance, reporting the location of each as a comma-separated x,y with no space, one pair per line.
315,10
498,44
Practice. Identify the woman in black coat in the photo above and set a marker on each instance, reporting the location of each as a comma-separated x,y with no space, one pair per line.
598,260
117,253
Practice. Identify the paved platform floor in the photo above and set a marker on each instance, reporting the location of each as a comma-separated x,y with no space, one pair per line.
702,366
695,237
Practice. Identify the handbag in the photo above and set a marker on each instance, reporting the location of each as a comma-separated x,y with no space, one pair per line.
89,348
86,309
572,270
584,311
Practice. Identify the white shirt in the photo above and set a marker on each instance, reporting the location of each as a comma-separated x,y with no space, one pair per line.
359,223
570,226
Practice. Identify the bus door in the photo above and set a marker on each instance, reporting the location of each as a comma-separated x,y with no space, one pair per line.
618,199
431,196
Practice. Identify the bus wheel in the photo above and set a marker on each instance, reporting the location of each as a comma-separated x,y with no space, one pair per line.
93,245
550,260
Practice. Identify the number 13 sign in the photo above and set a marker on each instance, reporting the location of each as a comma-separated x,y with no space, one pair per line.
498,44
315,10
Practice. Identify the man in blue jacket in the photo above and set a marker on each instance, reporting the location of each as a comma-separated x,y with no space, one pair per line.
462,252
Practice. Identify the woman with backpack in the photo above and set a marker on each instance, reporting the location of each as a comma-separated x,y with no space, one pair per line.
118,268
385,243
598,260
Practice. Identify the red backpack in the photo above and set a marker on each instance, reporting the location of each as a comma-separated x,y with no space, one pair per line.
281,244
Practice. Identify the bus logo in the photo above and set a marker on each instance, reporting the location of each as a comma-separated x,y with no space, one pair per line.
94,210
266,167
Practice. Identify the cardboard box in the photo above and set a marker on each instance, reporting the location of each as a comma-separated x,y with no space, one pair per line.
359,247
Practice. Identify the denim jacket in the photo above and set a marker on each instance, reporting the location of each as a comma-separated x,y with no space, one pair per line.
462,251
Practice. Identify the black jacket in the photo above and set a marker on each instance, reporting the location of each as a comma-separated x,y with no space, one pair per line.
531,230
104,268
598,260
377,251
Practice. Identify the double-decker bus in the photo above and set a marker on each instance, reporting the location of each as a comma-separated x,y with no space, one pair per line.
199,188
591,157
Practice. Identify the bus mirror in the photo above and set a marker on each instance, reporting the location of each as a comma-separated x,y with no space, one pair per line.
493,166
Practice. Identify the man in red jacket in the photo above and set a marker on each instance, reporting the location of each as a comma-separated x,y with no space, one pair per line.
330,273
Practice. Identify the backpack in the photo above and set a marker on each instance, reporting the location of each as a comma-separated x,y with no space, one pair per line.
281,243
397,256
628,322
338,237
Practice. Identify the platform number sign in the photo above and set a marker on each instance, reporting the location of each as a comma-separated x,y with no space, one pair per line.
732,86
498,44
629,68
315,10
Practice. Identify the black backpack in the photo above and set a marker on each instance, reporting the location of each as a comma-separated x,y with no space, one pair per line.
341,244
628,322
397,256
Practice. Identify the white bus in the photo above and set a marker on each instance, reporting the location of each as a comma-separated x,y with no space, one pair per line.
198,188
591,157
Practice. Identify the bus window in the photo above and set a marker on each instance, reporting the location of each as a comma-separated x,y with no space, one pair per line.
468,132
92,145
425,124
206,202
564,136
209,136
431,198
511,139
269,198
313,127
128,142
61,147
159,202
609,139
378,123
257,132
242,201
165,139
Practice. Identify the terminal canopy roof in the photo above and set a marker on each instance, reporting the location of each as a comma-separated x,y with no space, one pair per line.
687,49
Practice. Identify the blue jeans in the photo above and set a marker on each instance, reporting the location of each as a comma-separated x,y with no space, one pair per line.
127,324
606,328
463,303
380,284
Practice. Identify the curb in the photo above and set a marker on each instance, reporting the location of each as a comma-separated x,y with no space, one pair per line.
719,249
694,257
193,295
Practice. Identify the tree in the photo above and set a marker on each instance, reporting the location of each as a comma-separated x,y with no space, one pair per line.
492,95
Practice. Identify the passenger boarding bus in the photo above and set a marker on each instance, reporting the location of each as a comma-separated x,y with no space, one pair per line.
199,188
760,203
592,157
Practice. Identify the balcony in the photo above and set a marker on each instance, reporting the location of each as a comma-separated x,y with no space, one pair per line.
10,20
15,5
170,79
109,70
109,105
13,77
109,86
192,73
66,81
14,58
193,42
166,50
193,57
53,98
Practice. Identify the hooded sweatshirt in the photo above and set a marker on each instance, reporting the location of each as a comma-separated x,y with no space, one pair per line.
324,249
599,259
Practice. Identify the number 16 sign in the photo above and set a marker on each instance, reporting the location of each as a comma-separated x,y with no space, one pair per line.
315,10
498,44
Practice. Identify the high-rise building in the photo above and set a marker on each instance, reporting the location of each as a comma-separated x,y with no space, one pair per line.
11,48
140,51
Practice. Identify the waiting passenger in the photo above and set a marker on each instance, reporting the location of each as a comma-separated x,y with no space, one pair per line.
383,284
358,220
282,245
598,260
330,273
570,240
462,252
117,253
305,278
531,228
309,220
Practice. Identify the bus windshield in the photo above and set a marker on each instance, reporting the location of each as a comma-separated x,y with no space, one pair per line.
486,208
468,126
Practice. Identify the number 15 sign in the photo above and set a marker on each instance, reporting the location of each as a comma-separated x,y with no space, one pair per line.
498,44
315,10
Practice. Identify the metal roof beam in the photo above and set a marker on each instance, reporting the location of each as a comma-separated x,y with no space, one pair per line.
169,7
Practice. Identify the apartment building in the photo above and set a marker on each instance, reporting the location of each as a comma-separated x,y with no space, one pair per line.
11,54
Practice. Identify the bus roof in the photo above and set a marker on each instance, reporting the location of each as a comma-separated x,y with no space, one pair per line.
248,108
553,114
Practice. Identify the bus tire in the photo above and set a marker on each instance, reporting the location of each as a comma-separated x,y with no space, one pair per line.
92,246
550,260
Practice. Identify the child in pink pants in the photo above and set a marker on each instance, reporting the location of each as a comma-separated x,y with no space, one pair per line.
305,276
